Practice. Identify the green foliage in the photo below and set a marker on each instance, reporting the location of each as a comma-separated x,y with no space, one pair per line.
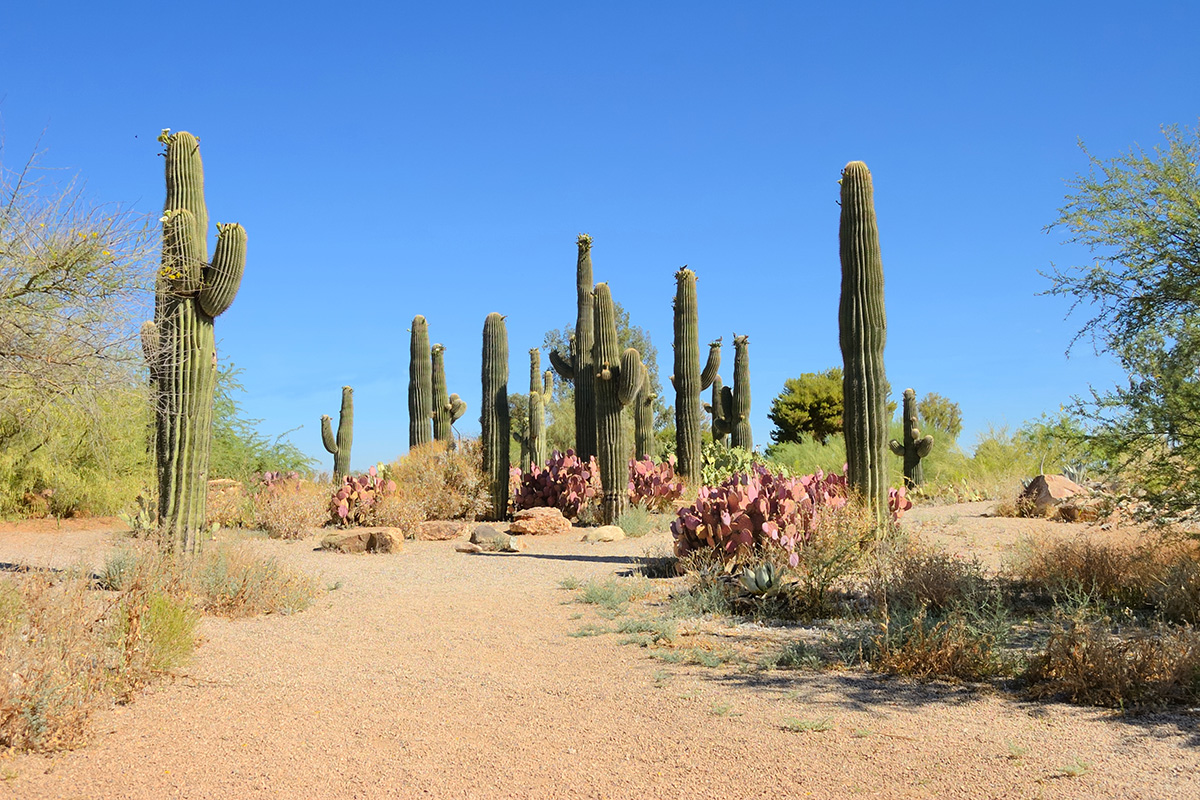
238,449
808,407
718,462
1138,216
939,412
808,456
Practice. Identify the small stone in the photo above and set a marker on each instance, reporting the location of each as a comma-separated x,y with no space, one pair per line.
541,521
440,530
605,533
467,547
363,540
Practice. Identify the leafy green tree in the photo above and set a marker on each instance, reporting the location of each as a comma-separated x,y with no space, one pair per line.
810,405
238,449
1138,216
940,412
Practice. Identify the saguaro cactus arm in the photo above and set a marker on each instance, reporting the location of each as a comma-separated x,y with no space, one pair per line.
222,278
457,407
562,366
327,434
712,365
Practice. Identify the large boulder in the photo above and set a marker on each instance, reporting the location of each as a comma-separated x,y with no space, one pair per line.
440,530
363,540
1046,493
541,521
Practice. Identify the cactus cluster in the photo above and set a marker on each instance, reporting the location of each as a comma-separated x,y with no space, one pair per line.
619,376
493,417
340,447
654,485
566,482
578,366
862,331
356,498
190,292
689,380
914,447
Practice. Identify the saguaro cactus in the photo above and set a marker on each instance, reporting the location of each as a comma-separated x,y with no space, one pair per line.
689,380
643,421
578,366
737,406
446,408
420,385
720,425
190,292
340,447
618,378
862,331
540,387
494,416
915,447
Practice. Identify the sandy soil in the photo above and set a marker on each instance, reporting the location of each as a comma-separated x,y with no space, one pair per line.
430,673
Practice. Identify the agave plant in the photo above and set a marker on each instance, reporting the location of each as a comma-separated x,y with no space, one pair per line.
761,580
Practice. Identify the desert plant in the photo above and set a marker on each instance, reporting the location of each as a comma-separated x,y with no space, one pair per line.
436,482
653,485
447,408
579,366
643,421
736,400
567,483
420,384
494,418
340,447
720,428
689,380
618,378
914,447
540,388
862,328
354,501
287,507
181,351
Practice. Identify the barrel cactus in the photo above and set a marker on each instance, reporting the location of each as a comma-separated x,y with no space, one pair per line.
862,331
619,376
493,418
190,292
446,408
914,447
340,447
689,380
578,366
420,384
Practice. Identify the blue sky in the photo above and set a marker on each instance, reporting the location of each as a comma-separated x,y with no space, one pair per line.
404,158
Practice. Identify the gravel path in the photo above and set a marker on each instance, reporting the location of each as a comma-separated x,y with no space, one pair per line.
430,673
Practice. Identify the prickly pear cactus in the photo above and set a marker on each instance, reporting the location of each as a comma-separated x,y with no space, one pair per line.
862,331
689,380
190,292
619,376
494,415
446,408
420,385
578,366
915,447
340,447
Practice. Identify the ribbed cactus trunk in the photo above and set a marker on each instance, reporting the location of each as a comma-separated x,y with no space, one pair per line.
862,331
190,292
539,394
689,380
446,408
579,366
740,434
720,424
340,447
494,415
619,376
643,422
914,447
420,385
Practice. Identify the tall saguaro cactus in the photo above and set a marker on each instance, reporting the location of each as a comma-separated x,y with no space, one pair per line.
689,380
190,292
340,447
737,407
540,387
578,366
619,376
862,331
420,385
915,447
643,421
446,408
494,415
720,424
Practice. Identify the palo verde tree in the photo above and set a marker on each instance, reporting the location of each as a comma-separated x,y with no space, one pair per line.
1138,217
810,405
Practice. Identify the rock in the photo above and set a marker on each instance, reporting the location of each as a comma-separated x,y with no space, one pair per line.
482,534
363,540
440,530
1081,509
467,547
488,538
543,521
1047,492
605,533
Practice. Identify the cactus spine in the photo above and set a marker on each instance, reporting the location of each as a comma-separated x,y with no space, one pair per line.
915,447
643,421
446,408
420,385
579,365
689,380
494,415
340,447
862,330
619,376
737,407
539,394
190,291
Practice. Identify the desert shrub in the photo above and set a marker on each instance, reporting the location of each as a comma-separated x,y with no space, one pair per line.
911,578
653,485
288,507
442,483
228,505
1176,593
566,483
1086,663
835,551
929,646
636,521
809,455
1082,568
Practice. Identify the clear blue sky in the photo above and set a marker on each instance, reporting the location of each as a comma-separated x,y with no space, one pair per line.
395,159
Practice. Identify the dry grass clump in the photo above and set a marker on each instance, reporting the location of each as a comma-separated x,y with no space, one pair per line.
923,647
289,508
228,505
910,578
436,482
1088,664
